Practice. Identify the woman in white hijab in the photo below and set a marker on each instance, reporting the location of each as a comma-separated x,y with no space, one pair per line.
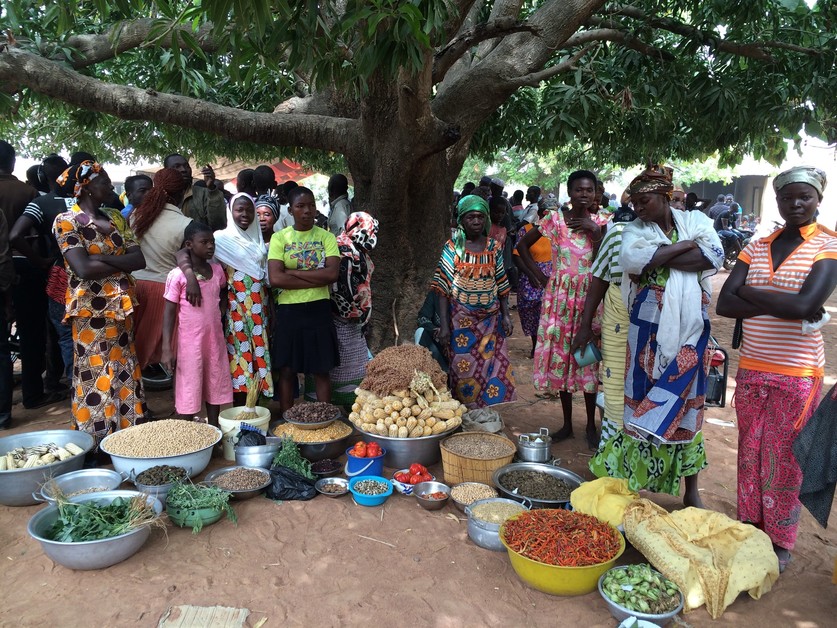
239,247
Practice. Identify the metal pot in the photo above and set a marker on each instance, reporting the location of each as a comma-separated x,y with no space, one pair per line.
18,485
568,476
74,481
402,452
534,447
90,554
320,451
483,533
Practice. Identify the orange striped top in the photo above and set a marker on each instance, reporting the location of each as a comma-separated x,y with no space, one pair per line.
777,345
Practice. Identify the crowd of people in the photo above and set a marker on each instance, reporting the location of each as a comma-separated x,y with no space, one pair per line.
238,294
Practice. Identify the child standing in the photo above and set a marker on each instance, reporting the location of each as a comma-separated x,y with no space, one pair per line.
203,373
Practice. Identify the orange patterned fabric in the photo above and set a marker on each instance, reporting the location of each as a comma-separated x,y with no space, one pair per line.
247,325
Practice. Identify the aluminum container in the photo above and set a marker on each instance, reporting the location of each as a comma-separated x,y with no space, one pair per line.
258,455
568,476
84,479
402,452
90,554
621,613
484,533
239,495
194,462
18,486
535,447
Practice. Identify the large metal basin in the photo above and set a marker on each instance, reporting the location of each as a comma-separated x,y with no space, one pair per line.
402,452
74,481
17,486
568,476
90,554
194,462
328,449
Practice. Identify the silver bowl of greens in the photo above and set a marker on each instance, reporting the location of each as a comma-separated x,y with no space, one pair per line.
641,592
118,529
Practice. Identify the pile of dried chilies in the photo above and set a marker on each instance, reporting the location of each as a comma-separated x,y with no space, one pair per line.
561,537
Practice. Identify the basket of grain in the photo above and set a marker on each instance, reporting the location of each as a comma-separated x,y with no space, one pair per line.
474,456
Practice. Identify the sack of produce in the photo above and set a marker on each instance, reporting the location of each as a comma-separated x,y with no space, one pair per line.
286,484
482,420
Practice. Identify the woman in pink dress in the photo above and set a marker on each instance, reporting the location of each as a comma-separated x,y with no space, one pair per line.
203,369
574,234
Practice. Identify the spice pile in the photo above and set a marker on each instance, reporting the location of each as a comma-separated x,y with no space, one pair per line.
562,538
160,439
495,512
371,487
404,396
479,446
316,412
641,589
161,474
241,479
536,485
37,456
469,492
335,431
437,496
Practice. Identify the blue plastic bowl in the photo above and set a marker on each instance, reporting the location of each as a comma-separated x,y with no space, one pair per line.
370,500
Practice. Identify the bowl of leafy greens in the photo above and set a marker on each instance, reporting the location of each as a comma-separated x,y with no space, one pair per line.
95,530
196,505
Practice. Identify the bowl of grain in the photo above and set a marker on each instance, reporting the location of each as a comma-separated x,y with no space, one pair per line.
240,482
466,493
172,442
319,444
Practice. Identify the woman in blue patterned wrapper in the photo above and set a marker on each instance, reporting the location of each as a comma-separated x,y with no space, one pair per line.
474,304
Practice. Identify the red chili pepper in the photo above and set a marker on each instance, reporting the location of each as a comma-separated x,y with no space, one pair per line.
562,537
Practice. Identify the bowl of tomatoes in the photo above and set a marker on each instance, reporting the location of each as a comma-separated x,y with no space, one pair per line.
364,459
405,479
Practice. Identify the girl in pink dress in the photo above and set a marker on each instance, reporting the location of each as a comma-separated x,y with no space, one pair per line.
203,369
574,235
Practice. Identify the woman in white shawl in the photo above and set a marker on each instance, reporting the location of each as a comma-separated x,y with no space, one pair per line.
239,247
667,256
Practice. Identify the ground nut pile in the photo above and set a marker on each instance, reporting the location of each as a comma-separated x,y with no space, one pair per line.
241,479
470,492
161,438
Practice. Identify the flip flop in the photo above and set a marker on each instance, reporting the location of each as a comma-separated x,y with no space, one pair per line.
783,563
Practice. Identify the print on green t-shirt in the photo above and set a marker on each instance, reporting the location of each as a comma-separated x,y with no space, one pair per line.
302,250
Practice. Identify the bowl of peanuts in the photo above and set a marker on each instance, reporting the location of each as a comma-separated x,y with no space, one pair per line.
466,493
172,442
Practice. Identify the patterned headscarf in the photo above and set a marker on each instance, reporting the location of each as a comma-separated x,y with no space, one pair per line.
656,179
550,203
802,174
268,200
352,294
75,178
468,204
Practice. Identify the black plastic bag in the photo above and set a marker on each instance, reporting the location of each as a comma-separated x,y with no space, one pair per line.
248,438
286,484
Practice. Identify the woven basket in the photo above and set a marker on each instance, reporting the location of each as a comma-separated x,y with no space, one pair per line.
458,468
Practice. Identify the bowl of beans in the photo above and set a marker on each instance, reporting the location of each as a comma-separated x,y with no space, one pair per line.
466,493
172,442
332,487
240,482
312,416
431,495
370,490
326,468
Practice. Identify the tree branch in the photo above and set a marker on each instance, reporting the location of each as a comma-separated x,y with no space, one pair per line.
618,36
459,45
535,78
24,69
125,36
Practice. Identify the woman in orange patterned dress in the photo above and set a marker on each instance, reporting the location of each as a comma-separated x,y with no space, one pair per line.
100,252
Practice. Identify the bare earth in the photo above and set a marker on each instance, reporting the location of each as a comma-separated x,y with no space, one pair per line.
330,562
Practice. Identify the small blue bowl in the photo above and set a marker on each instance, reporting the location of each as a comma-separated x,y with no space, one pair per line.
370,500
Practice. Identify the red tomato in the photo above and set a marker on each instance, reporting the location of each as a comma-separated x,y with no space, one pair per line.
425,477
359,450
415,479
404,478
416,468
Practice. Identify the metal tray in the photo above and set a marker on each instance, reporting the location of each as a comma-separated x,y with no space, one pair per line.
555,471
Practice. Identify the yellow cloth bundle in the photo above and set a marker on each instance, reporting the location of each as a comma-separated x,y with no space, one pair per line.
711,557
605,498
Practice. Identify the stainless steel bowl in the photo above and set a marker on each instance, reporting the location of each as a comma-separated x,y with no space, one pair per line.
194,462
328,449
621,613
568,476
239,495
259,455
341,482
402,452
431,487
18,485
69,483
90,554
462,506
484,533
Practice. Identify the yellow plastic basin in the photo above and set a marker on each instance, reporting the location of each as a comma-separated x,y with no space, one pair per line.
557,580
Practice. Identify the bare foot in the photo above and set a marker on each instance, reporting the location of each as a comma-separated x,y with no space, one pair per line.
692,498
563,434
592,438
783,555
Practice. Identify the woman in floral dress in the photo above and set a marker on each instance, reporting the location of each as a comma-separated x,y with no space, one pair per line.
574,235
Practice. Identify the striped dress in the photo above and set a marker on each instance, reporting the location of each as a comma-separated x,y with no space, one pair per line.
779,380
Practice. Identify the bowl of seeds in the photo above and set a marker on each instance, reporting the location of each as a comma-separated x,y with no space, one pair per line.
370,490
157,481
239,482
332,487
312,416
466,493
319,444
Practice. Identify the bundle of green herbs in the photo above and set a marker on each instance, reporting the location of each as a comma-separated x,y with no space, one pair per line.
188,496
289,457
92,520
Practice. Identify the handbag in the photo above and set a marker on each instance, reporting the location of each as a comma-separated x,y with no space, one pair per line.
737,333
